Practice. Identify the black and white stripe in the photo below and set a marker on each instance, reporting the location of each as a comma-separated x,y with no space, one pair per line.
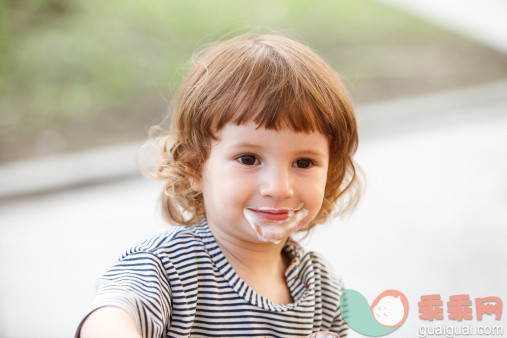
179,283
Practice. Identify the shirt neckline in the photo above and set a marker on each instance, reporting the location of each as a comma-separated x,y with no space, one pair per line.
299,286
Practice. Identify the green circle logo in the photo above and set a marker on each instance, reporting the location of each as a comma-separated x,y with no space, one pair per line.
386,314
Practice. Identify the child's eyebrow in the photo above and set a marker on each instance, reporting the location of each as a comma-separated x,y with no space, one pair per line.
300,152
245,145
312,152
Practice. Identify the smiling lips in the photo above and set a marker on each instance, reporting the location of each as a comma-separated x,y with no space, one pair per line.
272,214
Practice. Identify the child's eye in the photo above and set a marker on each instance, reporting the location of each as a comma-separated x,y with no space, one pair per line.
247,159
303,163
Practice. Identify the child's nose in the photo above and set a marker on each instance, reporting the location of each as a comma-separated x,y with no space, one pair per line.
276,183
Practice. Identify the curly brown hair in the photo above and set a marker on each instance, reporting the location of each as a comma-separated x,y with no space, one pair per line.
275,82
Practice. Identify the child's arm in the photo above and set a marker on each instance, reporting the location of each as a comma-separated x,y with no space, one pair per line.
109,322
135,293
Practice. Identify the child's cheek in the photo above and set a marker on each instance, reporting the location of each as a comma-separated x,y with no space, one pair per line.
314,196
236,187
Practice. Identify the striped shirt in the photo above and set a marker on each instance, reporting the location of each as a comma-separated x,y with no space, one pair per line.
180,284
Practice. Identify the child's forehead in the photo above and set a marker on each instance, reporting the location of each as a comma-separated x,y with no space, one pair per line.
248,128
271,121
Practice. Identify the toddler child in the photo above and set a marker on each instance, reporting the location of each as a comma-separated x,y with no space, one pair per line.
261,146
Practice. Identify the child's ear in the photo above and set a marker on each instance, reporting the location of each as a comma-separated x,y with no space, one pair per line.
195,181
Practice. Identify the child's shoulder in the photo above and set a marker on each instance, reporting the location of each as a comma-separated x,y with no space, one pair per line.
322,268
170,242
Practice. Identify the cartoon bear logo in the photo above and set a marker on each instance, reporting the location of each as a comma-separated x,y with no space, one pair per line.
388,308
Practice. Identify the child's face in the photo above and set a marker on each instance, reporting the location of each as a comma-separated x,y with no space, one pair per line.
271,174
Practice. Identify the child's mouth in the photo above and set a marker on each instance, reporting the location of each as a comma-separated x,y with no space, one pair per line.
274,214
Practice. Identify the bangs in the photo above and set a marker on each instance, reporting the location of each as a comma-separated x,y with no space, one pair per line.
275,110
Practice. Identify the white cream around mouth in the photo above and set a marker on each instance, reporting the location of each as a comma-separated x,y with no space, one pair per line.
274,225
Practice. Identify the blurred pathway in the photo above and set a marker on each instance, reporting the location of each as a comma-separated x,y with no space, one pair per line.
482,21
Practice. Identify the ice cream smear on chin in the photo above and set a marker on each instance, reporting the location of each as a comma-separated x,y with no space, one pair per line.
272,224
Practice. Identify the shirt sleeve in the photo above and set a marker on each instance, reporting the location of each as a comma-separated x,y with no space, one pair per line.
339,326
138,284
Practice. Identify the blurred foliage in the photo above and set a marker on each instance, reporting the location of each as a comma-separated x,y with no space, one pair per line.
84,73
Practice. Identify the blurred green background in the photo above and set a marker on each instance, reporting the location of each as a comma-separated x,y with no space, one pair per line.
86,73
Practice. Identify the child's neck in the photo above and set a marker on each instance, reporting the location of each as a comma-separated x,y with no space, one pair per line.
253,258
